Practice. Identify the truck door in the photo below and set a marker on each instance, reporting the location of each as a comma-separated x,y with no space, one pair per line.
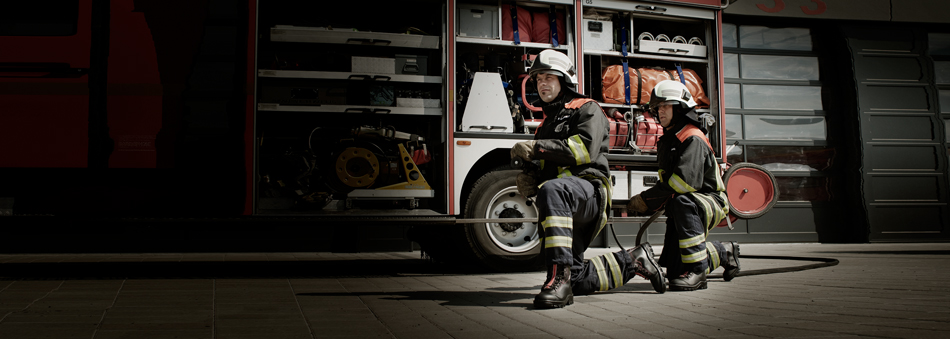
44,83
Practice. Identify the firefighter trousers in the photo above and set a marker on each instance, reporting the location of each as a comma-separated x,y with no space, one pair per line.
571,215
685,247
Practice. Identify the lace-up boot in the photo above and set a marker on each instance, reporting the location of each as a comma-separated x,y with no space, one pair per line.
645,266
689,281
556,291
731,264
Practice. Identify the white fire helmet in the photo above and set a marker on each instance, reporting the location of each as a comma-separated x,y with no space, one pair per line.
554,62
669,90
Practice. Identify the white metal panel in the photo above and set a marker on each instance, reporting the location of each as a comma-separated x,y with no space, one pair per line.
621,189
487,107
467,155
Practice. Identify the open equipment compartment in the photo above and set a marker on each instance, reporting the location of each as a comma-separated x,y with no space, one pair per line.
349,108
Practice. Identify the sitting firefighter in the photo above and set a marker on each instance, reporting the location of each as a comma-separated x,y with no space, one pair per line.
573,190
691,190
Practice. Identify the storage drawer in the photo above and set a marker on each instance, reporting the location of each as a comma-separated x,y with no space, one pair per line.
478,21
374,65
411,64
642,180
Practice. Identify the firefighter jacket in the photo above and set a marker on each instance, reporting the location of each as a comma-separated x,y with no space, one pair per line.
687,165
572,140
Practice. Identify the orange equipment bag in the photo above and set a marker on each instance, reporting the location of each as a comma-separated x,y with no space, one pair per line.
642,81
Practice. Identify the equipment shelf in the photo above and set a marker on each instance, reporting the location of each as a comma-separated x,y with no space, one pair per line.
496,42
646,56
287,33
377,110
423,79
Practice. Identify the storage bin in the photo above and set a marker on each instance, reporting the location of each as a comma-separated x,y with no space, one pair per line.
478,21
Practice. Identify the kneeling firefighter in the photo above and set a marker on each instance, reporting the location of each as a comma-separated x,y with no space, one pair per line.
571,181
691,190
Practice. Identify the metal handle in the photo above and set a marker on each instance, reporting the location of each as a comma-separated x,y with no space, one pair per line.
673,50
489,127
365,41
651,8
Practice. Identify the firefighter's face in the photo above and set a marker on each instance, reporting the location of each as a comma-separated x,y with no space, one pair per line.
664,112
549,86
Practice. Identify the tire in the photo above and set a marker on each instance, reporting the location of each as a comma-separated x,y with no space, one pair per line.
502,246
751,190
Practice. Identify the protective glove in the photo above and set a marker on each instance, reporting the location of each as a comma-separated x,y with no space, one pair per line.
524,150
527,185
637,204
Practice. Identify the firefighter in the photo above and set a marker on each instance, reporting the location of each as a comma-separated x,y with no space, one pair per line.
572,187
691,190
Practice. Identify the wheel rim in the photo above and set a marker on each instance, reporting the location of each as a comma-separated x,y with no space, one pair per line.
512,237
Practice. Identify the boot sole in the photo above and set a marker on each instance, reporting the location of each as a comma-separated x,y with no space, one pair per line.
659,273
700,286
729,277
570,300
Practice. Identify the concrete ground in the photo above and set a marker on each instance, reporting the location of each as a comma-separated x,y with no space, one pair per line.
789,290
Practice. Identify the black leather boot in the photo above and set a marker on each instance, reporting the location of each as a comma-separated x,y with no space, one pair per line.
731,264
688,281
556,291
646,267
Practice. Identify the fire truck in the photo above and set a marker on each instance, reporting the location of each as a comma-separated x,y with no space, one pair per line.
388,112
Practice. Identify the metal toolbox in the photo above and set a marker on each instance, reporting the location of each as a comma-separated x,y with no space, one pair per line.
598,35
478,21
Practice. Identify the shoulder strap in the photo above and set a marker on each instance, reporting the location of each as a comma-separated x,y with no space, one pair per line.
577,103
691,130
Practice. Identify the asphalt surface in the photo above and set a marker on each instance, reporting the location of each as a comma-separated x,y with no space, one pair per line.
785,291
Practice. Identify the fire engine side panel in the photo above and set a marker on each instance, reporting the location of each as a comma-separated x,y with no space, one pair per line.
45,76
467,155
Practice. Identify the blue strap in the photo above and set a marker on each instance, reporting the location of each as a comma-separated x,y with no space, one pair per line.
552,17
514,22
623,41
626,70
679,70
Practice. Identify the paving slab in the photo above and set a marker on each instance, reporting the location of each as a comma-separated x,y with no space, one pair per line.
888,290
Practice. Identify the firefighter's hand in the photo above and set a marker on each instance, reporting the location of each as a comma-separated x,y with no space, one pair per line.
527,185
523,150
637,204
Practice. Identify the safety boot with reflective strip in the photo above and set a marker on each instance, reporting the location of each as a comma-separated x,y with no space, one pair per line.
646,267
556,291
731,265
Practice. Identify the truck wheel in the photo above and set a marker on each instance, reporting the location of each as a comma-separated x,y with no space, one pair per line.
502,246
